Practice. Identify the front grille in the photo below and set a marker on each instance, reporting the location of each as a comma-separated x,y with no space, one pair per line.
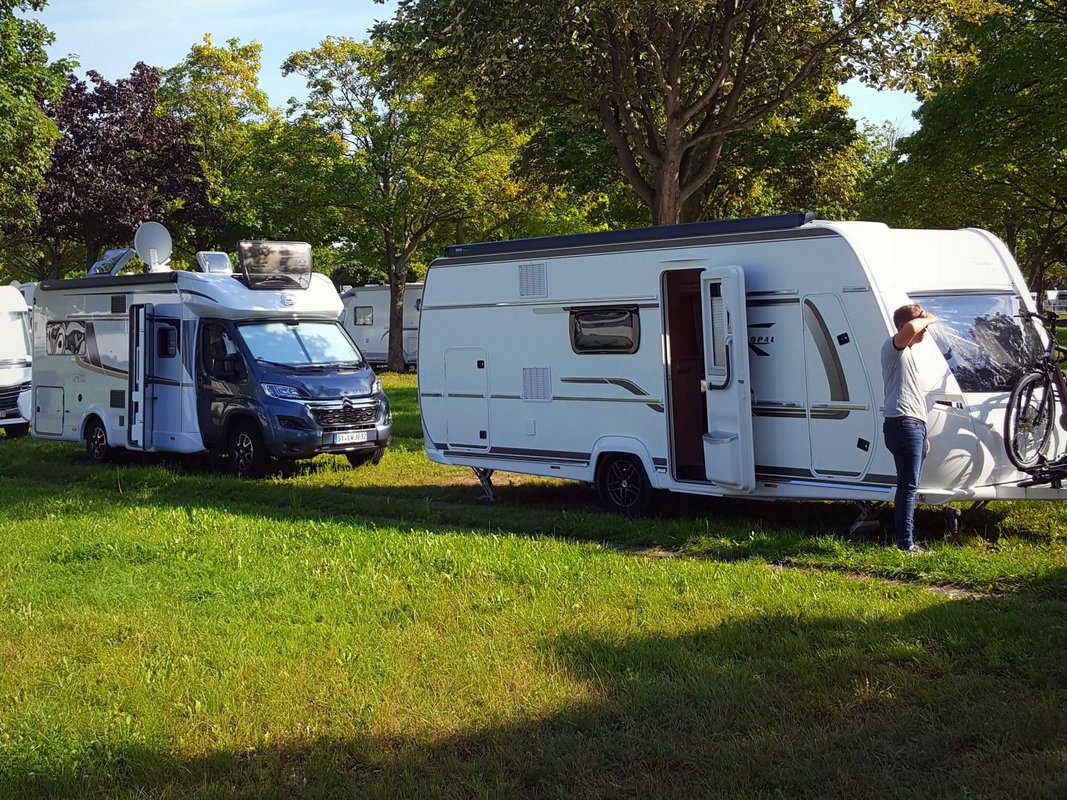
336,418
9,396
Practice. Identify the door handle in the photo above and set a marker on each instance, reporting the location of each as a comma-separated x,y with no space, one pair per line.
703,386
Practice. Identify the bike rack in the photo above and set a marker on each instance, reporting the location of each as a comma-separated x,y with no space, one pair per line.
1050,472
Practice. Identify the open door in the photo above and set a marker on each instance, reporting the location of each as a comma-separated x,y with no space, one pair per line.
139,402
728,455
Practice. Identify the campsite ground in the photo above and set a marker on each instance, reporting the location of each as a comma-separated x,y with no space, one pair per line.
169,631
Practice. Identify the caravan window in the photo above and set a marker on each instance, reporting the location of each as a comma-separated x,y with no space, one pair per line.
362,315
986,345
605,330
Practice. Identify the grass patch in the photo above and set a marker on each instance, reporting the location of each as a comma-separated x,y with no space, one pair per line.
169,631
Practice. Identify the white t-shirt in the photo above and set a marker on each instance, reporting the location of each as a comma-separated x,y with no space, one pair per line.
903,395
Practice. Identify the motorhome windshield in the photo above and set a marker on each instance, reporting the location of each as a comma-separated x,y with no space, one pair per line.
14,336
986,345
300,344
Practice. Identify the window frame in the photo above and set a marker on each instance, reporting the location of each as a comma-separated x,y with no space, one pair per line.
635,327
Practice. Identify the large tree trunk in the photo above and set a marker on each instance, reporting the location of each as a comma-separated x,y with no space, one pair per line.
397,267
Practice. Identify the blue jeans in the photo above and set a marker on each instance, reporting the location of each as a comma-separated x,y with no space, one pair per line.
906,439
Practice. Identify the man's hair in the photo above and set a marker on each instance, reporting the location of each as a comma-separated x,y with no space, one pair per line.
906,314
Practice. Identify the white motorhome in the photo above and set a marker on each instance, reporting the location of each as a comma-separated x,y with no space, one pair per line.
366,318
251,365
15,359
724,358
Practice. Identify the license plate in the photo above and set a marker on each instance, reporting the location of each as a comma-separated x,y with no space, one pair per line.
349,438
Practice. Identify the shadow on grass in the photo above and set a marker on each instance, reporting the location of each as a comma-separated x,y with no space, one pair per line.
965,698
725,529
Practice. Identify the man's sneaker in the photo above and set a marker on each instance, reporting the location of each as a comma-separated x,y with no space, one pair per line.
915,550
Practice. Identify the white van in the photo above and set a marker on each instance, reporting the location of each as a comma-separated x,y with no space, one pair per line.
15,359
723,358
366,318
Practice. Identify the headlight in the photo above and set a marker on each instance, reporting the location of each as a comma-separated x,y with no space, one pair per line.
376,387
283,392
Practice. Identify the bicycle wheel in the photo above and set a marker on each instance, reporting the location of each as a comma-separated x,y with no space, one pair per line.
1028,423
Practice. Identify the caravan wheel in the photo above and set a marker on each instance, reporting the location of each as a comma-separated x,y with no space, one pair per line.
623,486
97,449
248,454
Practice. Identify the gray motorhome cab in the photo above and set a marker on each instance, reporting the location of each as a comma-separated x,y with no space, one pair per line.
252,365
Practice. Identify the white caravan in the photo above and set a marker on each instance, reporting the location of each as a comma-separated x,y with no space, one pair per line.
366,318
725,358
15,359
252,365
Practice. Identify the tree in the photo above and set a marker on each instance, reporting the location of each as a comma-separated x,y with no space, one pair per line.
991,151
216,91
117,163
669,83
26,134
413,161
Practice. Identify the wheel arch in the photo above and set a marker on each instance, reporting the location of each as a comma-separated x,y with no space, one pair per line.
629,445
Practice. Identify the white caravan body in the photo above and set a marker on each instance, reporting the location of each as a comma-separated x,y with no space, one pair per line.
366,318
15,358
729,358
173,361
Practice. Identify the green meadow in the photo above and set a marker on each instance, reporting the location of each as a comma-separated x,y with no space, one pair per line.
169,631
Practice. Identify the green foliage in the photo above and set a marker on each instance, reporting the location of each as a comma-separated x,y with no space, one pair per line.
991,150
26,133
668,83
414,160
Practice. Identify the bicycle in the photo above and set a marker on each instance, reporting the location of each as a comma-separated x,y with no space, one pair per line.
1029,420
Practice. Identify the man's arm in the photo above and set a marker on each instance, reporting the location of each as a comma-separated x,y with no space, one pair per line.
910,330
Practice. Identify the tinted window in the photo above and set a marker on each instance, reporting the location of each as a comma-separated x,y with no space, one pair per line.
362,315
986,346
605,330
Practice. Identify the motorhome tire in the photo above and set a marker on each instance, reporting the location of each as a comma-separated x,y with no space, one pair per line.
17,431
362,458
623,486
97,450
248,454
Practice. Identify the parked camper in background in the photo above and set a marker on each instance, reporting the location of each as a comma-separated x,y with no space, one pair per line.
1057,301
723,358
15,359
366,318
253,365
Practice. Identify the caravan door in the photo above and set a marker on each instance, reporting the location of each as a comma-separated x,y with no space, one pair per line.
728,456
155,378
139,392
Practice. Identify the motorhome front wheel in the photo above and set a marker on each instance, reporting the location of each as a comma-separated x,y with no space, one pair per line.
365,457
248,454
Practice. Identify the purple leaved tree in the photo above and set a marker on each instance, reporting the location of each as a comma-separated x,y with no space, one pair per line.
119,161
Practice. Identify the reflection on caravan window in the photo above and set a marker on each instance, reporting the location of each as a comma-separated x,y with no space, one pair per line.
362,315
605,330
299,344
987,347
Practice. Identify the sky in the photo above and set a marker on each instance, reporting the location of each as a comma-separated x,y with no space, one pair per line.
111,36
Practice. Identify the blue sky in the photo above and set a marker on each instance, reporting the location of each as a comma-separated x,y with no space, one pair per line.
111,36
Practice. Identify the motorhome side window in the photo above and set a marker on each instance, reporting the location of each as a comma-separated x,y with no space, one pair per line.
362,315
605,330
219,352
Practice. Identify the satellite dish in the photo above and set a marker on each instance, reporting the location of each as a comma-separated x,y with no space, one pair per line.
153,245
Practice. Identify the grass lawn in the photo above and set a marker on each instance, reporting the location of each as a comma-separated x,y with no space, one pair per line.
169,631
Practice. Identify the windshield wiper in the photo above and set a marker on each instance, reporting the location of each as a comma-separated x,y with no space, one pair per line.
273,363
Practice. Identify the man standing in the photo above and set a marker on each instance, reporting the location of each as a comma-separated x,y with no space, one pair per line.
905,417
